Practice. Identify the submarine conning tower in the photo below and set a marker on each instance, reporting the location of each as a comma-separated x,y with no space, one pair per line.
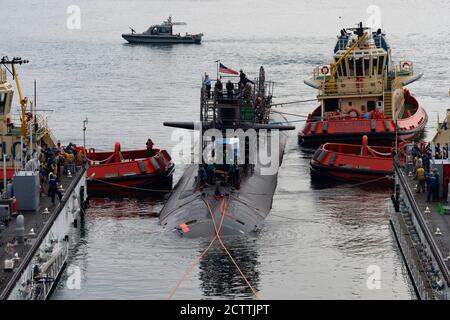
227,189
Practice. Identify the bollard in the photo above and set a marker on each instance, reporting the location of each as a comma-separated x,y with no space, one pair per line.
20,228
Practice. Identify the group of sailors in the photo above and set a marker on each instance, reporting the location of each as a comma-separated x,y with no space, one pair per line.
244,87
419,160
229,174
54,163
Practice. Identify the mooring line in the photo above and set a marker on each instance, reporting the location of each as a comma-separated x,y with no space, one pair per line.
173,291
225,248
129,187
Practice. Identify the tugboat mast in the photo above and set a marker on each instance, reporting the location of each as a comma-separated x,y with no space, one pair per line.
23,100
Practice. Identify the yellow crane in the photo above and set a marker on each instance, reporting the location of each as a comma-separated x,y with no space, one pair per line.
333,66
23,100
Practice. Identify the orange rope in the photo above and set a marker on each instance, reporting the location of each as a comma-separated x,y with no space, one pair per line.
196,260
223,212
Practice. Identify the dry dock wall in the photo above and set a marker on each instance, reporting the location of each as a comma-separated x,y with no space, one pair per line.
61,226
421,254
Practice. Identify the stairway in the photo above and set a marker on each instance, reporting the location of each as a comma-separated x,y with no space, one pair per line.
387,98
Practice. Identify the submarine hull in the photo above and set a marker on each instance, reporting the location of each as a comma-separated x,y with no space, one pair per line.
194,212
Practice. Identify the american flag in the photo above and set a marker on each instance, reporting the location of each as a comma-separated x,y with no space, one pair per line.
223,69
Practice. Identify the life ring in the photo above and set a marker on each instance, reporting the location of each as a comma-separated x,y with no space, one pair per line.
406,66
354,111
325,70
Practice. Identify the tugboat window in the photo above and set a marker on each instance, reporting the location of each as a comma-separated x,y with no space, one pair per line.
374,65
380,65
367,67
359,67
344,68
351,67
331,105
2,102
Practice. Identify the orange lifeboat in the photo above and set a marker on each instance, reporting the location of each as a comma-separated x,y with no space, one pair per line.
350,162
131,170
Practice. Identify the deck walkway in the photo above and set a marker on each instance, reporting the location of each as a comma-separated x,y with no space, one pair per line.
33,219
434,219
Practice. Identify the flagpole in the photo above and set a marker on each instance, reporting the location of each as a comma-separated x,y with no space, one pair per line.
217,65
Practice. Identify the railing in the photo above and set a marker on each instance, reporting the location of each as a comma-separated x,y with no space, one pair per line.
42,235
42,125
352,86
402,69
424,228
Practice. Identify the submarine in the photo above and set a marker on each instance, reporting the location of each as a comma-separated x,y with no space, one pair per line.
229,190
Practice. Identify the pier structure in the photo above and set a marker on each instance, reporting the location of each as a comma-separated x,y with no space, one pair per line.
34,245
422,230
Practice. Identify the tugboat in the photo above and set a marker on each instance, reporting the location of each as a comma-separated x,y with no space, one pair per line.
19,141
149,169
234,196
362,93
357,163
162,33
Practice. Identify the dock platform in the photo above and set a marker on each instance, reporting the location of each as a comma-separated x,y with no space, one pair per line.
425,251
41,223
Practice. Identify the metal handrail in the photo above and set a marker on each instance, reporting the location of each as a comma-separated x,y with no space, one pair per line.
417,213
48,225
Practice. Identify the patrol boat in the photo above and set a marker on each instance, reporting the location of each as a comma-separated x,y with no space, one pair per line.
234,196
362,93
162,33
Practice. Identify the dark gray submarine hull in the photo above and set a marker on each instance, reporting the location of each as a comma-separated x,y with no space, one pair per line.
190,211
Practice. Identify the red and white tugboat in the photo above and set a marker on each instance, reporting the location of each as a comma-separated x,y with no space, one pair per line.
350,162
148,169
362,93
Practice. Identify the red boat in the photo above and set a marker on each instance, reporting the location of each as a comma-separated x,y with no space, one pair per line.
338,127
351,162
131,170
362,92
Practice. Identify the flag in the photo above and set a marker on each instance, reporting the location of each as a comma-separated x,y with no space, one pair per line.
223,69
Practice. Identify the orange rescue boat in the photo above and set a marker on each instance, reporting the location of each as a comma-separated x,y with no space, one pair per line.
132,170
350,162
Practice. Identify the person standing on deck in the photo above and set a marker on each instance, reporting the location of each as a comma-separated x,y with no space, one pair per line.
207,85
243,80
53,188
426,161
431,186
418,162
420,176
436,189
218,89
149,145
230,88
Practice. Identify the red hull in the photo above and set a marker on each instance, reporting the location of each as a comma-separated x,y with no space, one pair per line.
351,130
356,163
129,171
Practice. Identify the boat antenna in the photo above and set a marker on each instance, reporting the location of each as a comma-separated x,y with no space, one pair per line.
217,65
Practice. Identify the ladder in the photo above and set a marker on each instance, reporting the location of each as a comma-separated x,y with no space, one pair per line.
387,99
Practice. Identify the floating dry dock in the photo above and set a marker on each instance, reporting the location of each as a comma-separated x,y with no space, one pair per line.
423,236
32,265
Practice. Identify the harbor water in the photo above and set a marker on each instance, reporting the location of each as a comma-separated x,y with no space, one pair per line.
322,240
